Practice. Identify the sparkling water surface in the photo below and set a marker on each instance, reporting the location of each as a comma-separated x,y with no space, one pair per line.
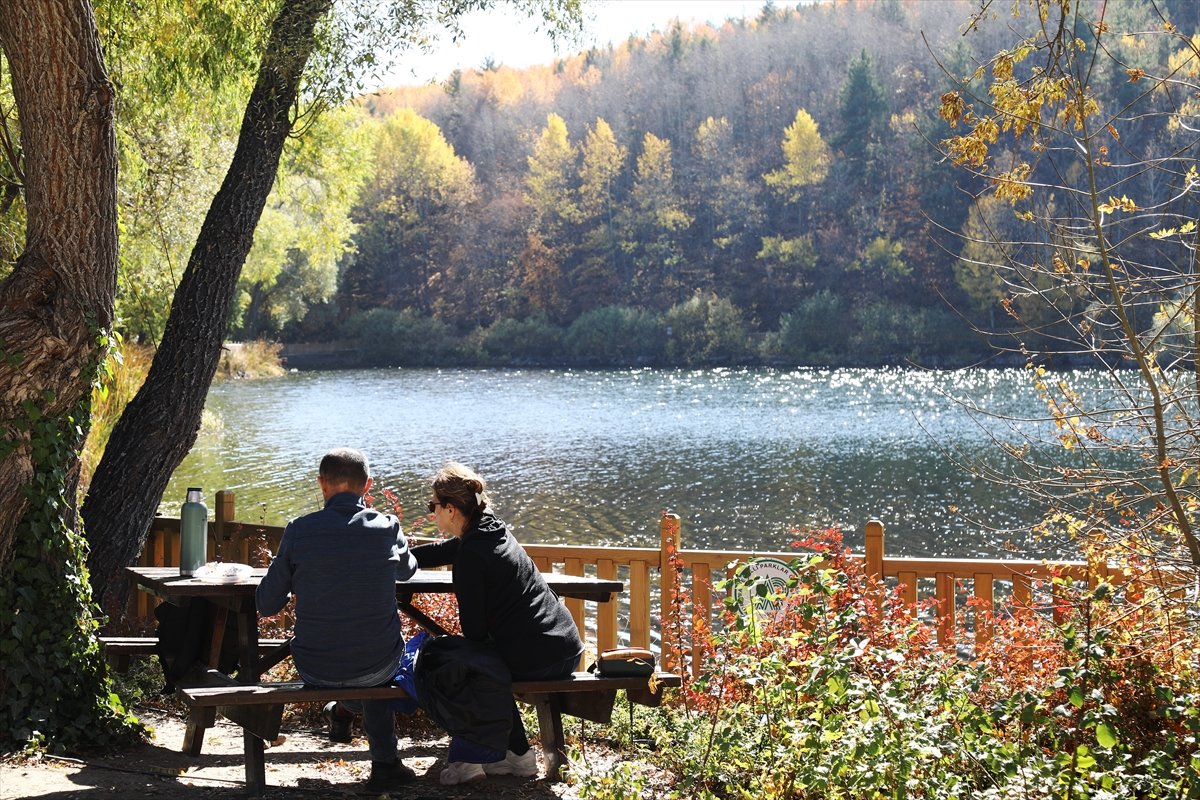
746,457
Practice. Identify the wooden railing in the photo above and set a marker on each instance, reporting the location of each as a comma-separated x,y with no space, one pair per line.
635,621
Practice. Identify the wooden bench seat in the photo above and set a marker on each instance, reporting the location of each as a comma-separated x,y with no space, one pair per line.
582,695
118,650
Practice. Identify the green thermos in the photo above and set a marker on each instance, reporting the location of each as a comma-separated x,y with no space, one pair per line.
193,532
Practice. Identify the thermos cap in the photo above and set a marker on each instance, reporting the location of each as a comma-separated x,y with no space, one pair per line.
194,495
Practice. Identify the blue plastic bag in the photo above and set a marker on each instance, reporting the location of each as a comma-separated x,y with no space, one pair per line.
404,675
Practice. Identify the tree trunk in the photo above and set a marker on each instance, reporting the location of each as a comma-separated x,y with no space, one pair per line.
56,309
159,426
59,298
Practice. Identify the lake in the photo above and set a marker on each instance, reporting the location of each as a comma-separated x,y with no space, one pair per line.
746,457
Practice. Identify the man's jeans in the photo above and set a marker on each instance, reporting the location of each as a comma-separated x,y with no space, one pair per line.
379,721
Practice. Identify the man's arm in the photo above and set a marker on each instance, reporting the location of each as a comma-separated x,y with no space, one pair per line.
276,586
406,562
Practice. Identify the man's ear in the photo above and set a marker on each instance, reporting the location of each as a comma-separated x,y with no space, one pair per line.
367,486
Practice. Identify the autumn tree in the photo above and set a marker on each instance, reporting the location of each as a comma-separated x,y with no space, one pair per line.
785,263
408,217
551,196
305,230
727,200
596,274
806,159
1102,269
653,226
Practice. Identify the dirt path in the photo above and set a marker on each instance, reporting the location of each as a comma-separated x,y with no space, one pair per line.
305,765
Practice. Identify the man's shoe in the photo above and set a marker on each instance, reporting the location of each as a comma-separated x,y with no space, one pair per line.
461,772
388,775
523,766
339,723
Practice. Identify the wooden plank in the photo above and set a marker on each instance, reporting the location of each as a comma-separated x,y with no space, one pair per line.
144,645
639,604
908,580
984,607
945,608
298,692
606,613
702,589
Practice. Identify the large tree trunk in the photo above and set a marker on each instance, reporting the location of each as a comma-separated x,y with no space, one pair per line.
159,426
55,310
59,298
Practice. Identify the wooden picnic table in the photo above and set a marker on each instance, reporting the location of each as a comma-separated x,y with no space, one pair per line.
237,598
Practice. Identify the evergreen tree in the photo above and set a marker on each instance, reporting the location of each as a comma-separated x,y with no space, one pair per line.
862,111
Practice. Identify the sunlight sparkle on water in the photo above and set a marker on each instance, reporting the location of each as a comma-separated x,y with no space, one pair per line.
744,456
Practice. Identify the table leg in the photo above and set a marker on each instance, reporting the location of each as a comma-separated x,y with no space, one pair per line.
550,727
217,635
420,617
199,720
253,747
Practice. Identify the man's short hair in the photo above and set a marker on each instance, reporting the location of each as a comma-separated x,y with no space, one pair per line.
345,465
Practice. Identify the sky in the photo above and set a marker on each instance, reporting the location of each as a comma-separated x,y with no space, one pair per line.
512,40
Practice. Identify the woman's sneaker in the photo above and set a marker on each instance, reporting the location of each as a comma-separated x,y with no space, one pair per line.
461,772
523,766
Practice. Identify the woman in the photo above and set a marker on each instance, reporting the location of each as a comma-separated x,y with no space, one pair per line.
502,599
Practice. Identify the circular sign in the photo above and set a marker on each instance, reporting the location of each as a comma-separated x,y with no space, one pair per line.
766,582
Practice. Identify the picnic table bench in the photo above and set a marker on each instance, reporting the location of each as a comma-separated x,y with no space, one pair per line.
259,707
119,650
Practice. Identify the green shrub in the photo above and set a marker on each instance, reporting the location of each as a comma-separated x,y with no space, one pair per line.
706,330
616,336
880,336
530,342
387,338
816,333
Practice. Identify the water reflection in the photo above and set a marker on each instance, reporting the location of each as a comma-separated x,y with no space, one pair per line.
745,457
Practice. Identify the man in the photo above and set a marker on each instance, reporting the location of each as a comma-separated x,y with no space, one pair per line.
342,564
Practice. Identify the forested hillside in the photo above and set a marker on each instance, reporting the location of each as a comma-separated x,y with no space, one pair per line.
766,191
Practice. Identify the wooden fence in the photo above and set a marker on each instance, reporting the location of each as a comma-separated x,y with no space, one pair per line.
634,622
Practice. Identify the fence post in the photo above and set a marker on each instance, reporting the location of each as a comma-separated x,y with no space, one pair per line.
1097,559
946,599
606,614
222,538
669,623
985,607
873,545
701,612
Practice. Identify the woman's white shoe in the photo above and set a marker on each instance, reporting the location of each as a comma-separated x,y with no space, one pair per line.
461,772
523,766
